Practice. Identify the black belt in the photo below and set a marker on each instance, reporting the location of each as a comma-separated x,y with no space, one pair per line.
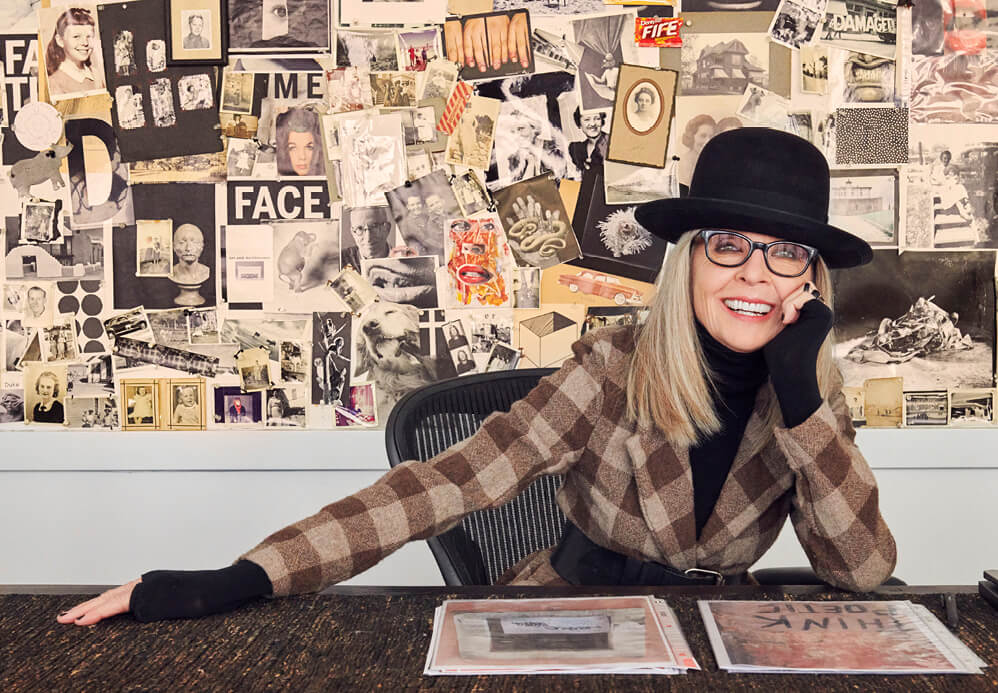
580,561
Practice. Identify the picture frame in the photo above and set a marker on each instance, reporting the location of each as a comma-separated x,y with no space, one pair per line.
193,42
642,116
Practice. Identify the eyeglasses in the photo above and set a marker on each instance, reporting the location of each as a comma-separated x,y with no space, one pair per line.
731,249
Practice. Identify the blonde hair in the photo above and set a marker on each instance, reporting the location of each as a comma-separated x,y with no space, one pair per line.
669,383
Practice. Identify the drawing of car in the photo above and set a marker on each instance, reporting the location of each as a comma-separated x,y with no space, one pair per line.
601,285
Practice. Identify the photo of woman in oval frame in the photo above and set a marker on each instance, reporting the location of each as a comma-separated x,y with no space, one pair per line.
644,107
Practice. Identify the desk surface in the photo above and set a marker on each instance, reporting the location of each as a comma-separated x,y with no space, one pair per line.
364,638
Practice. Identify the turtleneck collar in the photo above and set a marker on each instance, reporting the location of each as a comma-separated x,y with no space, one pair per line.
736,373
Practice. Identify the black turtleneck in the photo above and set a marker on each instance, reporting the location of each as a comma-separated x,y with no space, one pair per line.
738,378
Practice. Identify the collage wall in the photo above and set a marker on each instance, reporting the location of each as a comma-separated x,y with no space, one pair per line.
223,214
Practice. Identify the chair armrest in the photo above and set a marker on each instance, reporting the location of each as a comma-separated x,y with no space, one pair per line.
800,576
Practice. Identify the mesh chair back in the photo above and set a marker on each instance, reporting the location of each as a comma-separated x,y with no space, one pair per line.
426,422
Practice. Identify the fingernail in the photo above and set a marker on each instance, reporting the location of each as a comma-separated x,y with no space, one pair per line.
816,293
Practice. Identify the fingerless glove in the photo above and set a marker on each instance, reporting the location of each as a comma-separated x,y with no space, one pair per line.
166,594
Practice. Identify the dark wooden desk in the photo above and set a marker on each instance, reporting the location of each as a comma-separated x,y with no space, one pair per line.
364,638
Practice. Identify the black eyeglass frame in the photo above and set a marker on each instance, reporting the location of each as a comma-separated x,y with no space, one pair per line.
705,234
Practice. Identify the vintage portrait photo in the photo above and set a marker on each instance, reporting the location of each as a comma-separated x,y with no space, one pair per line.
365,233
421,209
642,116
494,44
39,221
278,26
202,326
865,203
298,138
926,408
58,343
698,120
237,92
139,404
93,413
45,393
716,64
409,280
417,48
254,369
932,322
502,358
153,248
38,304
371,50
393,89
286,407
471,142
197,32
70,51
797,22
536,222
293,365
470,193
355,291
187,404
235,407
814,69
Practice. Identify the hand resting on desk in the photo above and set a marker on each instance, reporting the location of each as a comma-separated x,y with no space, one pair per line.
111,603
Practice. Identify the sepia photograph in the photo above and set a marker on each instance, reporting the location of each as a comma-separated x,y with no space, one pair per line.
58,343
196,32
348,89
92,413
237,92
39,221
355,291
139,404
153,248
286,407
70,51
471,142
393,89
717,64
254,369
865,203
797,24
972,407
187,404
202,326
814,69
642,116
502,358
45,393
926,408
536,223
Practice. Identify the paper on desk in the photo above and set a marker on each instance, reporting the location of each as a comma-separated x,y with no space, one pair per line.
964,654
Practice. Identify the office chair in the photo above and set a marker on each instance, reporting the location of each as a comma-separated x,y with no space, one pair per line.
427,421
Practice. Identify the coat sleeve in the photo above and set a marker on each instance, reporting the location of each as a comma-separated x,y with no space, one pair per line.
544,433
835,508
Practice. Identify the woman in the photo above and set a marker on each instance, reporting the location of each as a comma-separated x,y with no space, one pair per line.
68,58
696,134
299,149
684,445
644,115
48,409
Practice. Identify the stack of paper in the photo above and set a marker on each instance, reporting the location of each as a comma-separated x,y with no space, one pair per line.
589,635
890,637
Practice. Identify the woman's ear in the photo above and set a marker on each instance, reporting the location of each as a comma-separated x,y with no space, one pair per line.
59,42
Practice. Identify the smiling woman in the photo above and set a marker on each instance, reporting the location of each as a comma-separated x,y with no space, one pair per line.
72,57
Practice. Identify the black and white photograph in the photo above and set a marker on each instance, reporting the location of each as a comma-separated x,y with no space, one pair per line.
488,328
267,331
286,407
393,89
331,346
306,256
865,203
926,408
195,92
70,51
279,26
588,134
355,291
814,69
972,407
602,54
136,324
471,142
241,157
93,413
642,116
164,115
763,107
456,338
195,23
861,78
883,402
237,92
44,393
555,51
932,322
438,80
698,120
294,368
797,23
536,223
38,305
197,32
372,50
365,233
502,358
76,252
94,377
348,89
463,363
169,327
373,160
153,248
235,407
161,355
418,125
716,64
254,369
139,404
11,405
491,44
39,221
417,48
202,326
408,280
527,287
58,343
470,193
801,123
961,181
187,404
730,5
598,317
867,27
421,209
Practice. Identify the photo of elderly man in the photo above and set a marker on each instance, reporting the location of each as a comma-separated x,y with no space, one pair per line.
368,238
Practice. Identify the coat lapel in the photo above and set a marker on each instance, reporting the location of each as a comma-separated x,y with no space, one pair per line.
665,492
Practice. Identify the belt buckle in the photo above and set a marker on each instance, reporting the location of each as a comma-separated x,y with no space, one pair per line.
698,572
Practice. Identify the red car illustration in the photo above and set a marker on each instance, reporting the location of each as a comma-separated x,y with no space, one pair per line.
601,285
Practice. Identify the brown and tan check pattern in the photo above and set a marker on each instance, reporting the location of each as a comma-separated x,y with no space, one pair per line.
627,489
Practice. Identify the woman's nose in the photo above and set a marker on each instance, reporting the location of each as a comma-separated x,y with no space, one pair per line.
755,269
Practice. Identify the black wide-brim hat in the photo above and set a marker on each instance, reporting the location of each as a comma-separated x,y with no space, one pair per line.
763,181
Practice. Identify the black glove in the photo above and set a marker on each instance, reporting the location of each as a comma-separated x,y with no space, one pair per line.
792,357
165,594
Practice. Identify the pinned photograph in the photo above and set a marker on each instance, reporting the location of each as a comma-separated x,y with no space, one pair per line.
763,107
241,157
861,78
932,322
642,116
479,264
536,223
70,51
39,221
348,89
601,39
45,392
972,407
331,347
554,51
471,142
293,366
502,358
494,44
153,248
408,280
139,404
489,328
11,405
279,26
421,209
438,80
814,69
306,256
797,23
527,287
418,125
187,404
865,203
462,360
254,369
92,413
202,326
235,407
286,407
883,402
718,64
138,353
355,291
801,123
298,137
38,305
361,409
94,377
871,28
197,31
58,343
470,193
418,48
393,89
926,408
374,51
365,233
237,92
135,323
698,120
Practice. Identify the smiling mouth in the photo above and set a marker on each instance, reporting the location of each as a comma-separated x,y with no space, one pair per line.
473,274
749,309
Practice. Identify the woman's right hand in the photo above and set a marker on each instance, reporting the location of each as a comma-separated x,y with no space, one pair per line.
111,603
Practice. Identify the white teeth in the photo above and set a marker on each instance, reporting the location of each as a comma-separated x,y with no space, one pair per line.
747,308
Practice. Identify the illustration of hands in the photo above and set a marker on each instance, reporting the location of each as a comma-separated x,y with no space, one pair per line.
536,228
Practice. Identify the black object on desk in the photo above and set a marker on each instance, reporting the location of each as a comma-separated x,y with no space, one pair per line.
988,587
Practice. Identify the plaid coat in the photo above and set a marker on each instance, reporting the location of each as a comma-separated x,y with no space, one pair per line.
625,487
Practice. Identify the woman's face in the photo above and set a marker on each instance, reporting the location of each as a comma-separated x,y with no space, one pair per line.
714,289
301,148
46,388
78,42
643,102
702,136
